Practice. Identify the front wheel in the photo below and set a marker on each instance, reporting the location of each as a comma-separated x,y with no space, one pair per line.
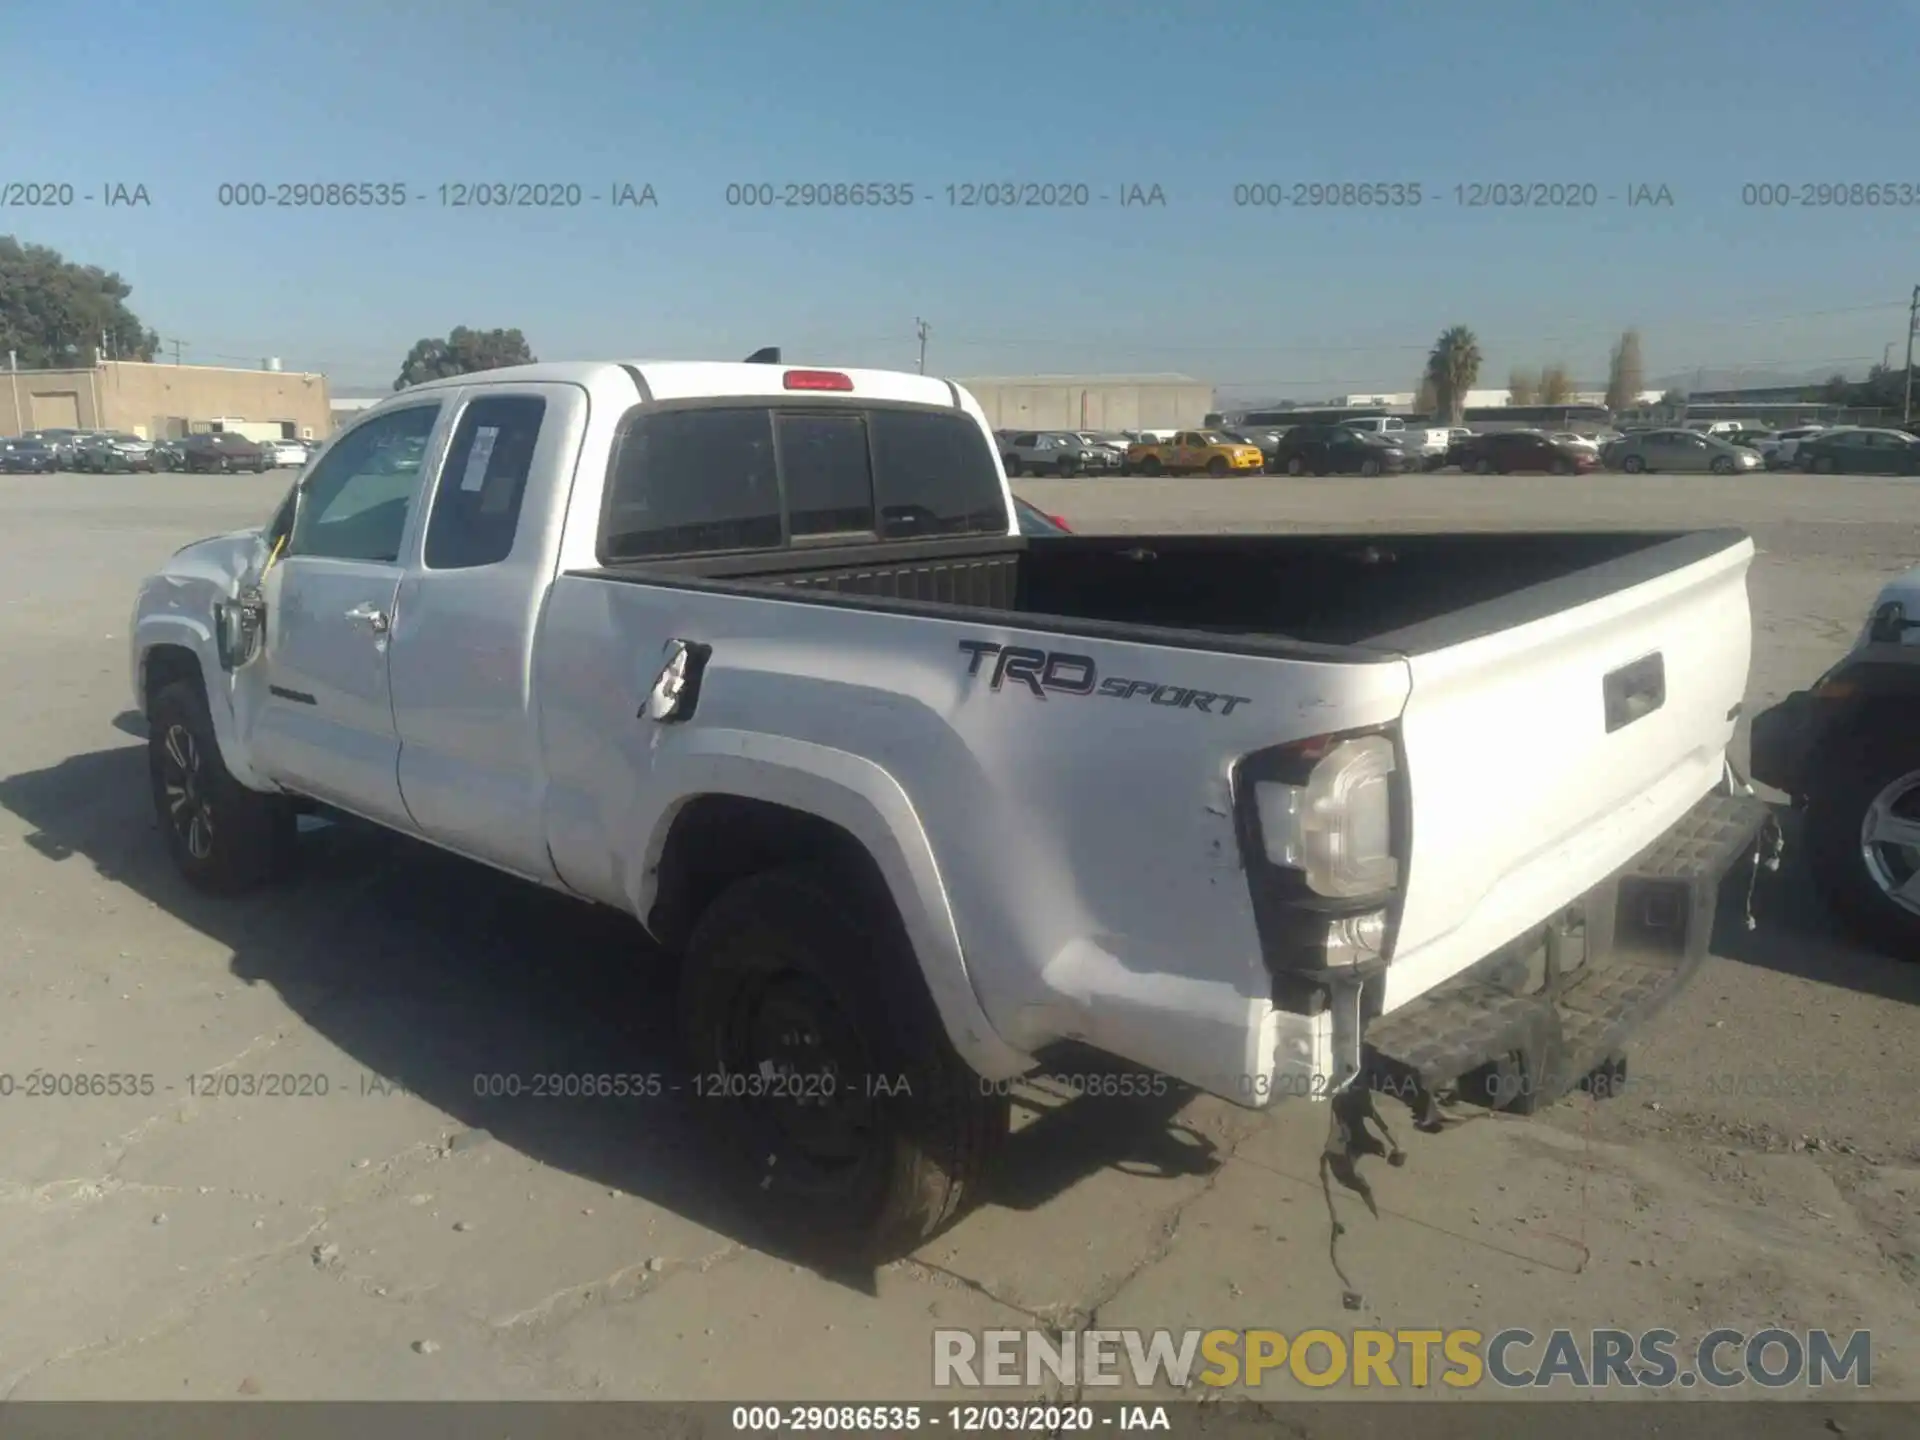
854,1121
1863,839
1823,466
1483,467
1294,467
1369,467
1217,466
1633,465
1722,465
1151,465
223,837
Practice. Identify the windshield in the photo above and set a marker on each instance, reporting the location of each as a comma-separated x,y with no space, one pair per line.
1216,437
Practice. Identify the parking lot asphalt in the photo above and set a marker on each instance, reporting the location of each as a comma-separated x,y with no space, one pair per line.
403,1236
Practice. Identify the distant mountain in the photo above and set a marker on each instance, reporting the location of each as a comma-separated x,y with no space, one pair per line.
1744,379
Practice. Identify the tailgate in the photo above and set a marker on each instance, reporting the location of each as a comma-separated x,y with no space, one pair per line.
1542,756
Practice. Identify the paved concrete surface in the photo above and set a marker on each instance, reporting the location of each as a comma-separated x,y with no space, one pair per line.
403,1237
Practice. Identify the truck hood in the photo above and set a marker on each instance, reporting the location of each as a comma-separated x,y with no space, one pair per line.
220,560
1902,588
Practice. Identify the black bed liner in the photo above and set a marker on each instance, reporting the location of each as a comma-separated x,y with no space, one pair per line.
1323,597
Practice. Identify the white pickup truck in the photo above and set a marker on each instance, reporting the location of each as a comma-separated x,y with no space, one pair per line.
758,655
1425,445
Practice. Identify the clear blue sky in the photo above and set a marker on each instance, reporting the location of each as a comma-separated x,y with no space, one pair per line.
1199,96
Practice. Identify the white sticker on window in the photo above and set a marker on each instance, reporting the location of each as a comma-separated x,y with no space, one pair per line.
474,478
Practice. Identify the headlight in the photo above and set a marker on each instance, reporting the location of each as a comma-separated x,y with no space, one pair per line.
1337,828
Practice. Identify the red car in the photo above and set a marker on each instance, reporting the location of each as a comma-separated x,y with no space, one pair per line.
1518,452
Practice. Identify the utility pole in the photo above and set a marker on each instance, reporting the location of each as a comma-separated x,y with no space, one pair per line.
1913,323
920,328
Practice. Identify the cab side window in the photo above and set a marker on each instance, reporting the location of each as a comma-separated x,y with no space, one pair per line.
476,509
355,501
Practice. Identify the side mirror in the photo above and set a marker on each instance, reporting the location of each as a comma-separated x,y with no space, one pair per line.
239,626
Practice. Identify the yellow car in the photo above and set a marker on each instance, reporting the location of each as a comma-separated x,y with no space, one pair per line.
1195,450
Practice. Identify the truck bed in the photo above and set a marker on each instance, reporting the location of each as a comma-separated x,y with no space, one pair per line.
1398,593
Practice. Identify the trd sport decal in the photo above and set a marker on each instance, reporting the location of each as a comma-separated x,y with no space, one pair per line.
1042,671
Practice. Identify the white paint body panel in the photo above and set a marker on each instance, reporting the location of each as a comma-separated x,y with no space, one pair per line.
1067,868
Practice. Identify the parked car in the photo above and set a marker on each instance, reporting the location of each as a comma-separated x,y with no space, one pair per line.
169,454
1516,452
108,452
1035,521
1778,454
1756,440
1055,452
223,452
27,457
1682,452
1859,452
293,453
1337,450
886,845
1426,445
1192,451
1267,442
1846,751
60,440
1582,443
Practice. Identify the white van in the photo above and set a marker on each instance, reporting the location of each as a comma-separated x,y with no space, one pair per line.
1716,427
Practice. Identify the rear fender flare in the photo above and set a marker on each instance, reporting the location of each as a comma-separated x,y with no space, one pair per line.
861,798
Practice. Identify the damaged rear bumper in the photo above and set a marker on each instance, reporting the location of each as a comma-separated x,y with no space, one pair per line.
1538,1017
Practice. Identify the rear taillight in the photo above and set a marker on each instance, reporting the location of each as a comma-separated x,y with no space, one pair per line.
818,380
1324,825
1061,523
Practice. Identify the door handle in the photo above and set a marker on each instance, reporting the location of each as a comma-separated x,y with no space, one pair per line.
371,616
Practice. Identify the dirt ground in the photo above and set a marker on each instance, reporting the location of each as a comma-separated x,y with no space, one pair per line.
402,1237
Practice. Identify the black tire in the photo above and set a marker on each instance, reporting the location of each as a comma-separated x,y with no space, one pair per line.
1012,462
1858,769
1483,467
1722,465
1369,468
259,467
1633,465
1217,466
1563,467
1067,466
1823,465
1294,466
806,952
223,837
1151,465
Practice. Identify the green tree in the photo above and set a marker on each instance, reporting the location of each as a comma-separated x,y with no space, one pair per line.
1626,373
55,313
1556,386
1453,367
461,353
1523,387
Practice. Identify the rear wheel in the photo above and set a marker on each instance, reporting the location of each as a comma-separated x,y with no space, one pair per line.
1369,467
1633,465
1294,467
1483,467
1863,839
223,837
1066,466
853,1119
1823,465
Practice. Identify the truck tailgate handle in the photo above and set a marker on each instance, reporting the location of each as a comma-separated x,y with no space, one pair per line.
1635,690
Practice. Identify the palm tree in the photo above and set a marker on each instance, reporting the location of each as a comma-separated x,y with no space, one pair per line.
1453,367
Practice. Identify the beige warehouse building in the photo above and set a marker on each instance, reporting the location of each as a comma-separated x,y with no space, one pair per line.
1092,402
154,401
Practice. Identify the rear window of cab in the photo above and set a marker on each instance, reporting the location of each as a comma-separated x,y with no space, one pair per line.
711,479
